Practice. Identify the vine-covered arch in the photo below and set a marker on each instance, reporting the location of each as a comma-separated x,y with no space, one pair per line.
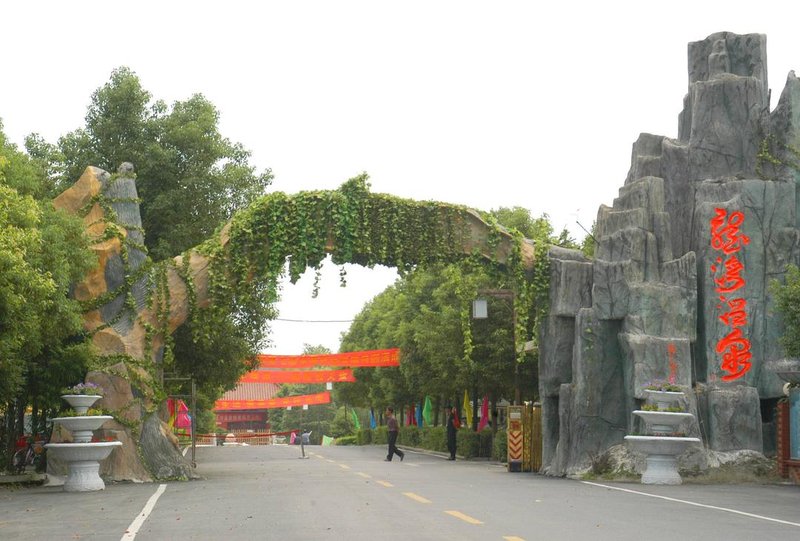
132,305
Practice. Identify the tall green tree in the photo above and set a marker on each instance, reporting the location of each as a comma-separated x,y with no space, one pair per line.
42,251
423,315
190,181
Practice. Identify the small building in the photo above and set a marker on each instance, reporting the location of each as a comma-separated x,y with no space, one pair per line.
244,420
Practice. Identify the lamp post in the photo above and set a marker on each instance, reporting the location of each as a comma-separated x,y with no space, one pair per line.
480,310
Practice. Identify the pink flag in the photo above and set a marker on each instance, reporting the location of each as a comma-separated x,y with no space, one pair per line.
484,414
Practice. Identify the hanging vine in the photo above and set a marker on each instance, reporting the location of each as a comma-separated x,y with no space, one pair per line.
284,235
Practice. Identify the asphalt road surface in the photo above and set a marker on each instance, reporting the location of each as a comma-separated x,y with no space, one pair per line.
350,493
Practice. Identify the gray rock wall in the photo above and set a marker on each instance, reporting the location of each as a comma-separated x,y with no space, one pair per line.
680,279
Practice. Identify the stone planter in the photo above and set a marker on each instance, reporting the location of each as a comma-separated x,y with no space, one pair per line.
83,460
82,427
664,399
81,402
83,456
662,452
661,448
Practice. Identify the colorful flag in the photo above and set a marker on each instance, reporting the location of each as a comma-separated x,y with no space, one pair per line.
467,410
484,414
327,440
427,411
355,419
372,423
418,411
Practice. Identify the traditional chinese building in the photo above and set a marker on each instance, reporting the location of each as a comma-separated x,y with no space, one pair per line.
237,418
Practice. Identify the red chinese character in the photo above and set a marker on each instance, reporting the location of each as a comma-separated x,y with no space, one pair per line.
737,355
727,237
736,316
732,279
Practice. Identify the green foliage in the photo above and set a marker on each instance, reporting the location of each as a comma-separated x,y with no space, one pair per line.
346,440
42,251
787,303
364,436
433,438
427,315
190,179
409,435
500,445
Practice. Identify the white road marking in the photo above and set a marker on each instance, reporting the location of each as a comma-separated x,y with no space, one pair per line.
133,529
687,502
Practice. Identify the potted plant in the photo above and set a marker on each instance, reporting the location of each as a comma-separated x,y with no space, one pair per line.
82,396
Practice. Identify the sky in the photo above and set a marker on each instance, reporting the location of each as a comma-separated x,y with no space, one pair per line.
485,104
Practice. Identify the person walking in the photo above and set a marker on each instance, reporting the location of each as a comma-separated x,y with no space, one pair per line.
453,424
393,428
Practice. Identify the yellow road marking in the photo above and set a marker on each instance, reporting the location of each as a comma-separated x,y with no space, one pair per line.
387,484
416,497
365,475
331,461
465,518
344,466
512,538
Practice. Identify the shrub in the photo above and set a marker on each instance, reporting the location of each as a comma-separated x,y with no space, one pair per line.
346,440
468,443
380,436
409,435
434,438
500,447
364,436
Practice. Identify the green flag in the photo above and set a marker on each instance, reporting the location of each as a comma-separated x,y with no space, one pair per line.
427,410
355,419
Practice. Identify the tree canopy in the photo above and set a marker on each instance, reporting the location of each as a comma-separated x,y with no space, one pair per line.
42,252
190,180
426,314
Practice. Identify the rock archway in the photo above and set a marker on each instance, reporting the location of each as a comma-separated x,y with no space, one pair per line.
132,304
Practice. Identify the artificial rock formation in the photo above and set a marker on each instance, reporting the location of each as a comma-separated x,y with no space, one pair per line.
679,286
130,309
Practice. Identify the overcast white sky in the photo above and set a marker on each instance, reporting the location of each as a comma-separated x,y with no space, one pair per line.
487,104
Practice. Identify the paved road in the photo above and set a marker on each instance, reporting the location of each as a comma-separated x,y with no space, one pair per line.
350,493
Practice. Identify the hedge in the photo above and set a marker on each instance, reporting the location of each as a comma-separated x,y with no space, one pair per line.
469,444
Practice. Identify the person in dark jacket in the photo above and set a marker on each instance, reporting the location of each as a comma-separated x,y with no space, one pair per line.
393,428
453,424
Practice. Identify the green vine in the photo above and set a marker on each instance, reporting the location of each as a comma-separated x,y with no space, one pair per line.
766,155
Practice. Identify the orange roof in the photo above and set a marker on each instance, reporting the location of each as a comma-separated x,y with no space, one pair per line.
252,391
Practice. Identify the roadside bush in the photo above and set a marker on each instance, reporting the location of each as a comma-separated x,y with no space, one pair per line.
409,435
468,443
364,436
380,436
346,440
500,447
433,438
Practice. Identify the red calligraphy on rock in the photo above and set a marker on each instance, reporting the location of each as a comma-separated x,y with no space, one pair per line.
726,237
736,354
732,279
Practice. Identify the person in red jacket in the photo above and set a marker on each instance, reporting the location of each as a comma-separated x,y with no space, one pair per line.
392,426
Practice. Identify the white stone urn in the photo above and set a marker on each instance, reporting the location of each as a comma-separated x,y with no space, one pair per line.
82,427
81,402
661,445
83,456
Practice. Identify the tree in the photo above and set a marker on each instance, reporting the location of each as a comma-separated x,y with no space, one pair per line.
42,252
190,180
423,314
